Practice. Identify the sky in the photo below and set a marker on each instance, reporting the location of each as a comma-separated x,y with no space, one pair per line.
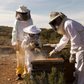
40,10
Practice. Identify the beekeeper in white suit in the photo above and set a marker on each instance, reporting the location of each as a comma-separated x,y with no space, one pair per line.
30,42
23,19
73,31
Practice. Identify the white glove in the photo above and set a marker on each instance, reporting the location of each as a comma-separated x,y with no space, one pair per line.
72,58
30,46
52,53
37,50
34,44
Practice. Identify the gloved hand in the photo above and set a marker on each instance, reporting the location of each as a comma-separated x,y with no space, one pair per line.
52,53
37,50
16,47
35,43
72,58
30,46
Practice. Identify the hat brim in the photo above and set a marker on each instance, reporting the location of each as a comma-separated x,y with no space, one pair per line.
26,30
53,19
22,11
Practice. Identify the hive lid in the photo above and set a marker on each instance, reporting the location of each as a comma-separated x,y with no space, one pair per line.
49,60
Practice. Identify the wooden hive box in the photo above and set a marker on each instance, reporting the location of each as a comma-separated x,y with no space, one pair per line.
40,65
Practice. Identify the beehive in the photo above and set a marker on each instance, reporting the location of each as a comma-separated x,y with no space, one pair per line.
40,65
47,64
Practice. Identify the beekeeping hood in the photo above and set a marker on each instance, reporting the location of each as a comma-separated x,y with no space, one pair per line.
22,9
57,18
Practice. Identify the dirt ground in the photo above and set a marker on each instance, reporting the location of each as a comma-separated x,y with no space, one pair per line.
8,67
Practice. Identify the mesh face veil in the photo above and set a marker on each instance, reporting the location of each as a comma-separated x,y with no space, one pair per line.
55,23
56,19
18,17
23,13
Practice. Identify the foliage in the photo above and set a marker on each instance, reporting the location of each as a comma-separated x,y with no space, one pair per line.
49,36
4,30
54,36
51,78
42,78
61,79
5,35
65,53
28,80
46,33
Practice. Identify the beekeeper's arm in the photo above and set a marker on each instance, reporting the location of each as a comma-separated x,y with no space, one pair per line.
14,37
63,42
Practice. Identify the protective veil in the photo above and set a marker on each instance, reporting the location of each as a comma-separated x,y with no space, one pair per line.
21,19
22,9
60,29
57,20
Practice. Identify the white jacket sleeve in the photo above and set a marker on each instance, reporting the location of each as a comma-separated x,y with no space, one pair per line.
14,34
63,42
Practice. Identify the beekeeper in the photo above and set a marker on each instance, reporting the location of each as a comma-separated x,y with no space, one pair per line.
30,42
73,31
23,19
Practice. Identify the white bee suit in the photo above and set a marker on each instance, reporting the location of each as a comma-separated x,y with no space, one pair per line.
29,55
17,38
74,32
17,33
